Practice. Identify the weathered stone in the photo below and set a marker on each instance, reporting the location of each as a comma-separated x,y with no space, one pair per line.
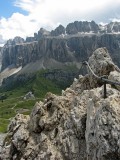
15,41
83,27
60,30
29,95
113,27
103,125
115,76
66,48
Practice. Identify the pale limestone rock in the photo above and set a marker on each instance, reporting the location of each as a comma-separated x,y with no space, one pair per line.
115,76
101,62
103,126
16,138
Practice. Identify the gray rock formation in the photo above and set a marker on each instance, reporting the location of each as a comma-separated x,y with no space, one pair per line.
42,33
84,26
76,48
31,52
80,124
113,27
78,41
2,136
29,95
18,54
87,27
58,31
15,41
30,39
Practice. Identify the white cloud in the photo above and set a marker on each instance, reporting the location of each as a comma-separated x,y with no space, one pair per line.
1,41
16,25
50,13
115,20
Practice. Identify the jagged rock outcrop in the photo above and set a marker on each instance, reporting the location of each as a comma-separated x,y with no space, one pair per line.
29,95
55,49
41,34
80,124
113,27
61,49
2,137
30,39
58,31
18,55
73,28
76,43
15,41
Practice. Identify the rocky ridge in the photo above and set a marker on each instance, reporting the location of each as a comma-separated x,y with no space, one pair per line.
15,41
82,27
74,43
80,124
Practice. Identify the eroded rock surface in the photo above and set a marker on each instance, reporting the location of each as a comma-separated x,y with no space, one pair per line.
76,42
78,125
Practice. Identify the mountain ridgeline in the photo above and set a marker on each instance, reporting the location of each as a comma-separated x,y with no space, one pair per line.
74,43
61,49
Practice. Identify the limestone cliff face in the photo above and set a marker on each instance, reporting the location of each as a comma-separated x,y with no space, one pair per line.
113,27
30,52
80,124
76,48
73,28
58,31
15,41
76,43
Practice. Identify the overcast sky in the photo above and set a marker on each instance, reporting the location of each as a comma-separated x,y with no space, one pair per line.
24,17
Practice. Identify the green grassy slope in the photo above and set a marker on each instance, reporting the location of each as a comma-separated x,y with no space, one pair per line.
15,103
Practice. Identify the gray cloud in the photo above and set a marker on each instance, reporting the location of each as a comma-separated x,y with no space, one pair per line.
105,15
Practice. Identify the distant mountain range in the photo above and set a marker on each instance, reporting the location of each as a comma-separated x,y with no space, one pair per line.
61,47
77,27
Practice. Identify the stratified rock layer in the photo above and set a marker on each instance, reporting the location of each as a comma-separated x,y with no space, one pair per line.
75,43
78,125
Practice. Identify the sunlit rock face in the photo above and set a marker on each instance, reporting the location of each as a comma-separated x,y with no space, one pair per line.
80,124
